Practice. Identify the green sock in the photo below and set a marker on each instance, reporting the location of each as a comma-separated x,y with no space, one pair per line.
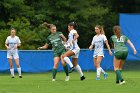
66,70
117,78
119,74
54,71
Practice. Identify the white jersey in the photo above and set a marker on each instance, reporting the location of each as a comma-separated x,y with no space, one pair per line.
12,41
71,37
98,42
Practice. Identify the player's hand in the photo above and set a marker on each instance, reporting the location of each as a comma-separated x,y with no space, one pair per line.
135,52
39,48
73,42
15,47
110,52
90,47
8,48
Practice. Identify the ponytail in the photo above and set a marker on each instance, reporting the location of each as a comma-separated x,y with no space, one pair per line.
116,31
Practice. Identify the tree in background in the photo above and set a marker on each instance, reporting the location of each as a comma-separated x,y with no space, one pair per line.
27,17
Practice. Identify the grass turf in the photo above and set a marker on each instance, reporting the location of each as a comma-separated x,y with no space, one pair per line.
41,83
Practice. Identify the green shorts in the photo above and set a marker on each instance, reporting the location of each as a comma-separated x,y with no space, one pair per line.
58,54
121,55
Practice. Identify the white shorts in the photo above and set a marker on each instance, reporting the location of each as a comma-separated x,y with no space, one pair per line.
76,53
98,54
11,54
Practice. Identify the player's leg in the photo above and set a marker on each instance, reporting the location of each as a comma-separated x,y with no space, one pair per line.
9,57
54,71
11,66
16,58
120,68
97,62
65,67
66,59
78,68
18,67
117,63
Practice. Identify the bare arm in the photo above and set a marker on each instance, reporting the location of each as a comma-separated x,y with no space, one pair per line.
132,46
75,37
108,47
91,47
6,45
43,47
63,38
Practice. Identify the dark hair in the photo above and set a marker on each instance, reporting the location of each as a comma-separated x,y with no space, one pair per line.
74,24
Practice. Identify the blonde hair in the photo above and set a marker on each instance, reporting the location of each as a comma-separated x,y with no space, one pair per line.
101,28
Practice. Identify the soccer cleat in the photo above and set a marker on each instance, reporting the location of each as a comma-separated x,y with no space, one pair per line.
12,77
67,78
20,76
71,69
53,79
83,77
117,82
105,76
122,82
98,78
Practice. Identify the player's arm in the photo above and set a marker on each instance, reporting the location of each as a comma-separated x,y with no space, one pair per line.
75,37
92,44
132,46
108,47
6,45
91,47
43,47
63,37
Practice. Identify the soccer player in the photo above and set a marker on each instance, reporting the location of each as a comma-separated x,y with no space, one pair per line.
98,42
12,43
55,39
120,52
74,51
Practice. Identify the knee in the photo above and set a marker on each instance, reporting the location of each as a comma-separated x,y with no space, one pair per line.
55,65
11,65
18,66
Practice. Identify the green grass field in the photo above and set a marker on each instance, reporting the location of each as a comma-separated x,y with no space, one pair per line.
41,83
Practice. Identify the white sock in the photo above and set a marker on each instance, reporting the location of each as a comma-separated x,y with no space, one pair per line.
102,70
78,68
19,71
12,72
98,72
67,60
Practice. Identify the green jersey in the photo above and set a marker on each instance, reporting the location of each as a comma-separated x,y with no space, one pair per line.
56,42
119,44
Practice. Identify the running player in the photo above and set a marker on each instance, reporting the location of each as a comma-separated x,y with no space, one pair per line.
74,51
12,43
98,41
120,52
55,39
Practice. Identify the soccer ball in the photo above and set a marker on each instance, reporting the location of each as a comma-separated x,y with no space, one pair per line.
68,45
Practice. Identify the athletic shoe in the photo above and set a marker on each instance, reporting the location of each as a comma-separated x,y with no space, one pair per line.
71,69
117,82
12,77
53,79
67,78
105,76
20,76
122,82
98,78
83,77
